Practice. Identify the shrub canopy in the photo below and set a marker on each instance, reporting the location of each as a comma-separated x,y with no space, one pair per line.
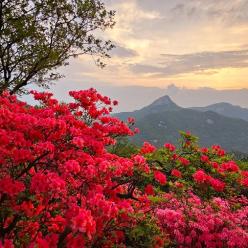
63,185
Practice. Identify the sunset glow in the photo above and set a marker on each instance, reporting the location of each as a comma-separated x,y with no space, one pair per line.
188,43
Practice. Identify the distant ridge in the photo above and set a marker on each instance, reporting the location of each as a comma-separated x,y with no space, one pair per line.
162,119
226,109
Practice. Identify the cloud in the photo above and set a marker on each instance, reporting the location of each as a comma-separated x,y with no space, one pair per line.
123,52
195,62
182,31
225,10
178,9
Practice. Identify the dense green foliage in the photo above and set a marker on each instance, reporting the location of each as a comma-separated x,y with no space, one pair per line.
38,36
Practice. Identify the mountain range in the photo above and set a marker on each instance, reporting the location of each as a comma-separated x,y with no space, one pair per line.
220,123
134,97
226,109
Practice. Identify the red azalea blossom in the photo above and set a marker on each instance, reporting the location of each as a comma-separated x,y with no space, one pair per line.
160,177
84,223
204,159
131,120
170,147
147,148
138,159
176,173
217,184
215,165
179,185
244,173
204,150
184,161
244,182
149,190
200,176
230,166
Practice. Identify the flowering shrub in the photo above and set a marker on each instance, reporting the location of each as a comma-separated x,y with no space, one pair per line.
59,186
207,171
66,180
192,222
206,203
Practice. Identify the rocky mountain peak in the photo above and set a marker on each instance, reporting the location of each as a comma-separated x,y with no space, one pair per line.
164,100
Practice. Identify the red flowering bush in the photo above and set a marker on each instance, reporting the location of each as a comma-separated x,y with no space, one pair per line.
192,222
65,181
59,185
203,203
207,171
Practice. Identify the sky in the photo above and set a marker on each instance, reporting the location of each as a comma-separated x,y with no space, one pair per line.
188,43
195,51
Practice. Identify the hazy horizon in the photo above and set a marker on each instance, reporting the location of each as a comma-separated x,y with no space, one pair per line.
135,97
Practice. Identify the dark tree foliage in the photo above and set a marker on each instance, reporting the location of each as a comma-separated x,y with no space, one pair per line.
38,36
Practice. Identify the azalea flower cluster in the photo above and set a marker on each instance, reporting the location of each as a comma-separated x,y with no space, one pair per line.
207,171
192,222
206,203
59,186
201,177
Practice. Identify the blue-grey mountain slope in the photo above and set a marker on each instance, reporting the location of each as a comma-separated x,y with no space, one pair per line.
160,122
226,109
